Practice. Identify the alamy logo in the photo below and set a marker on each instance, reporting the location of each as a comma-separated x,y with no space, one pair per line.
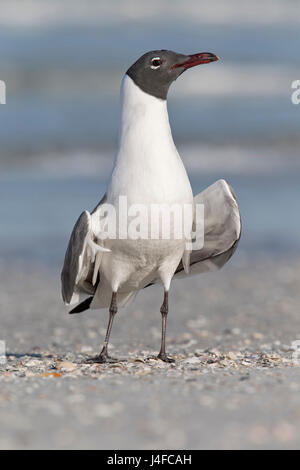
154,222
2,92
296,94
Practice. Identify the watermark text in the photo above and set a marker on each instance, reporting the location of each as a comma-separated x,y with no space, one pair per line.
2,92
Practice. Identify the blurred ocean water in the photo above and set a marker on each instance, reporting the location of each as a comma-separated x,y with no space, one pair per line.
39,213
63,62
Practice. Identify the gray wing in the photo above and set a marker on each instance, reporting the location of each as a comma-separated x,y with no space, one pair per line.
222,229
79,276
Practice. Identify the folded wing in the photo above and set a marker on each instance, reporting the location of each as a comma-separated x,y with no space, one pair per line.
222,229
80,273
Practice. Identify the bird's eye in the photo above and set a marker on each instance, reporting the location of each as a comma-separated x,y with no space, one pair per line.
156,63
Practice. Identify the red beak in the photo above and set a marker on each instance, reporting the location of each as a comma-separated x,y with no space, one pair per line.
197,59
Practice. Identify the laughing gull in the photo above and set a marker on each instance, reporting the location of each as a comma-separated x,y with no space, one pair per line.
107,271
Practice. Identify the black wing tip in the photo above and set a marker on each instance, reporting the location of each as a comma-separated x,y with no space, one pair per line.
85,305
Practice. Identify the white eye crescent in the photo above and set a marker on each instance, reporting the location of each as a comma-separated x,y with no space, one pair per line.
156,63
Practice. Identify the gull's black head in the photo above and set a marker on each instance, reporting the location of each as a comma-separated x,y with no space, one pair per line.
156,70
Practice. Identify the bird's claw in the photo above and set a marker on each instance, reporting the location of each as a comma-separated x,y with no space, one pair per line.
101,359
165,358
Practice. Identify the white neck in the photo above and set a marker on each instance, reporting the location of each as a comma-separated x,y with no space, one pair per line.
147,165
144,128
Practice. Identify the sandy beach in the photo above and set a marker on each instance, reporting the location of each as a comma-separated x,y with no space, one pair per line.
234,384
